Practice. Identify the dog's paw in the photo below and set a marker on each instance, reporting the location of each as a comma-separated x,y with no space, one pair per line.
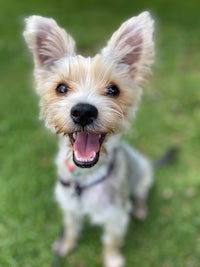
140,210
140,213
63,247
114,259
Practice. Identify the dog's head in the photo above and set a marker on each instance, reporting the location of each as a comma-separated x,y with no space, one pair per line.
89,99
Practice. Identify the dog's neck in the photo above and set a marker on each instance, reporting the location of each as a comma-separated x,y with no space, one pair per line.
79,187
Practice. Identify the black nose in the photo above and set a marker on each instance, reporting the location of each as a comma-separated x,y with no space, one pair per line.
84,114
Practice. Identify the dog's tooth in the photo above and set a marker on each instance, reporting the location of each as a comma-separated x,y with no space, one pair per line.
93,156
74,135
99,136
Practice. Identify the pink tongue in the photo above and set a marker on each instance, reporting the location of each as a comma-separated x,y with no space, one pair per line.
86,144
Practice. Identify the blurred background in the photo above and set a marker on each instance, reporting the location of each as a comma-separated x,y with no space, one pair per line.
169,116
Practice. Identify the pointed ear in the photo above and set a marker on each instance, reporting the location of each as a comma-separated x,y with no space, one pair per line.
131,47
47,41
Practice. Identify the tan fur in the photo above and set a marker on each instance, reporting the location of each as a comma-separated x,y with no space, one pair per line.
124,64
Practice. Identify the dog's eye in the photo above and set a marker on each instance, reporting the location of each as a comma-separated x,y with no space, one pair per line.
112,90
61,89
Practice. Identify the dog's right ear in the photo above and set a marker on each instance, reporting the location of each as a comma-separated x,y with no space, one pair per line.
47,41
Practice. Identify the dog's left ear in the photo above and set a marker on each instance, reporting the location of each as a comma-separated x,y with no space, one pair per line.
131,48
47,41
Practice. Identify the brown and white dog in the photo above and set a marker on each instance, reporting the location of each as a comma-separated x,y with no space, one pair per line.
89,103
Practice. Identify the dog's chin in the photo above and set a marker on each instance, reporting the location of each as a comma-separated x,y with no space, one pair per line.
86,164
86,148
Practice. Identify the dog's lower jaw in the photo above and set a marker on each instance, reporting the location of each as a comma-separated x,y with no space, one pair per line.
86,164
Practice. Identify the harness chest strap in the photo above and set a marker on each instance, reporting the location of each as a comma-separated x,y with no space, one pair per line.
72,184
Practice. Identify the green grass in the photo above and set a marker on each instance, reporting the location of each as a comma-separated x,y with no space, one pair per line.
168,116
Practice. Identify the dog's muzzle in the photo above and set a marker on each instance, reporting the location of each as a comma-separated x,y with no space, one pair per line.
86,144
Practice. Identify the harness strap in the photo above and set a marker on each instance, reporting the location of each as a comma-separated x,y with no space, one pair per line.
72,184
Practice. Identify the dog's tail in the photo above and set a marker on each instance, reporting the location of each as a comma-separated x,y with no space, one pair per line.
169,157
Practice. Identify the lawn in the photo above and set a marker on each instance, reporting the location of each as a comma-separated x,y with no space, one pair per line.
169,115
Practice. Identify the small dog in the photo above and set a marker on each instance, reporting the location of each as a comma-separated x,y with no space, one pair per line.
88,103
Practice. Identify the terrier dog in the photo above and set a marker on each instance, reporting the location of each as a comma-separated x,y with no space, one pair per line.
88,103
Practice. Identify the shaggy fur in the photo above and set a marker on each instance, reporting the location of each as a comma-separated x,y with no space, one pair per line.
89,102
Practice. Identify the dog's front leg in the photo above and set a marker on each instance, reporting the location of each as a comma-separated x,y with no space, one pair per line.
113,239
68,240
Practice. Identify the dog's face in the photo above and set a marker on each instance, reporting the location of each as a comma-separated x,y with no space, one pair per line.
89,99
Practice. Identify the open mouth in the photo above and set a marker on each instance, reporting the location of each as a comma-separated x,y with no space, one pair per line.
86,148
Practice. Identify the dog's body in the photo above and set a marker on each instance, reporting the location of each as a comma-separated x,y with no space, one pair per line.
89,102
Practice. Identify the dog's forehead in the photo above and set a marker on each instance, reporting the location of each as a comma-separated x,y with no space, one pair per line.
88,71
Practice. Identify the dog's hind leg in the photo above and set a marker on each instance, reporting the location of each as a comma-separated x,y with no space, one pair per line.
140,209
140,178
140,194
